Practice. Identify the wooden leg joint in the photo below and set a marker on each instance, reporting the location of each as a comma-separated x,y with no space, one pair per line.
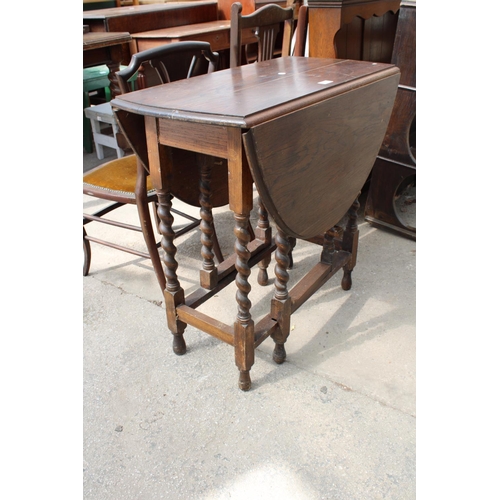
281,311
244,352
209,279
177,327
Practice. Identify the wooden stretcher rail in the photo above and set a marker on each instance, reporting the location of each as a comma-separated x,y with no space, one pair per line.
226,272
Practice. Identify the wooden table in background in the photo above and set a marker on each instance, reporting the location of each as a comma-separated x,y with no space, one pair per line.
306,131
216,33
106,48
150,17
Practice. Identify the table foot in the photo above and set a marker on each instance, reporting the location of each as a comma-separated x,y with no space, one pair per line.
245,382
279,354
262,277
346,280
179,345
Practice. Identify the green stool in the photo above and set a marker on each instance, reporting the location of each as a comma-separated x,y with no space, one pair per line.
94,78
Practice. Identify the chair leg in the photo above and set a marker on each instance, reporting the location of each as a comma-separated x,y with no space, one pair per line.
216,248
146,224
87,129
96,131
86,254
157,219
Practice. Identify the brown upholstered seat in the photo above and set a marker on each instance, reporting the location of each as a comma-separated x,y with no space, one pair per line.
118,178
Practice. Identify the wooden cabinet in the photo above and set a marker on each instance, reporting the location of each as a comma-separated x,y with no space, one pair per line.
353,29
391,198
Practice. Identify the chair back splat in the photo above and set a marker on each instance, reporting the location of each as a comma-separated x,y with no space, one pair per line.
270,25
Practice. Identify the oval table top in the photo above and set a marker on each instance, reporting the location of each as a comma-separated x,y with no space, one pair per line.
311,128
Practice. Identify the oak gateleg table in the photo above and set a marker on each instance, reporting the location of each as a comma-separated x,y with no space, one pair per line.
306,131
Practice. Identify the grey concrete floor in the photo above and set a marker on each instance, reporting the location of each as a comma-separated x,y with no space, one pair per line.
335,421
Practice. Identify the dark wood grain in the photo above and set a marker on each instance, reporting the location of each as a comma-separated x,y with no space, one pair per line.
337,139
246,96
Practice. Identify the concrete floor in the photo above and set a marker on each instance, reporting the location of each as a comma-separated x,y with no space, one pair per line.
335,421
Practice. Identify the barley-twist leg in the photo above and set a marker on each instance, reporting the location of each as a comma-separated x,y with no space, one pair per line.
173,293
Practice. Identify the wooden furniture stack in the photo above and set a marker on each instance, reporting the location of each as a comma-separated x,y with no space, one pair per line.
145,18
392,190
215,31
102,49
126,181
109,41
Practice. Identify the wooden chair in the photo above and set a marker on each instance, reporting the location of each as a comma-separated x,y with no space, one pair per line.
267,23
224,8
126,180
300,48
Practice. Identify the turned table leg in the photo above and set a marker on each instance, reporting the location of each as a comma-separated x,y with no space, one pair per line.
350,243
264,233
244,326
208,273
113,67
173,293
281,304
